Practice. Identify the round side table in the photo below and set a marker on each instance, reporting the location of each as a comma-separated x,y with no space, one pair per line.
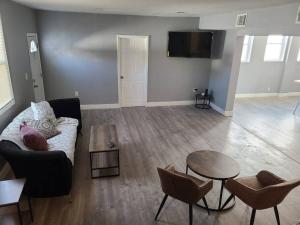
216,166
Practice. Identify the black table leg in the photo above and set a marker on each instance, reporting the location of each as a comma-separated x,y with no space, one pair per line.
118,152
30,208
221,194
91,164
19,214
219,208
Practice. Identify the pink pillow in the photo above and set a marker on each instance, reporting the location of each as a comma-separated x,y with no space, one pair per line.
33,139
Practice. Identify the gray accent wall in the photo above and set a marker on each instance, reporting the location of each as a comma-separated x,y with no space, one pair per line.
17,20
259,76
79,53
221,71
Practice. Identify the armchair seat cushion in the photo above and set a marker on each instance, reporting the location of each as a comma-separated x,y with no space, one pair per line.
194,179
251,182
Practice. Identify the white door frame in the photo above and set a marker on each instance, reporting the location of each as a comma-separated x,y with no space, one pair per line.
119,66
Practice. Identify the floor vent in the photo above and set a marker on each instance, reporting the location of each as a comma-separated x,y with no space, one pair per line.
241,20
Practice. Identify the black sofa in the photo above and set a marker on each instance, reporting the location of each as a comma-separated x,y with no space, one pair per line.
48,174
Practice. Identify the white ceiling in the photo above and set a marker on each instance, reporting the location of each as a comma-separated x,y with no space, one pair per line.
152,7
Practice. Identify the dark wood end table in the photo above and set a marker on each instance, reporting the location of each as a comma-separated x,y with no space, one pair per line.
104,140
10,194
216,166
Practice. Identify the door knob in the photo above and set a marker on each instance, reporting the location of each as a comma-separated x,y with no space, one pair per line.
35,86
121,77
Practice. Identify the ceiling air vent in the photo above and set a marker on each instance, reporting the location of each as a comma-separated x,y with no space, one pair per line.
298,16
241,20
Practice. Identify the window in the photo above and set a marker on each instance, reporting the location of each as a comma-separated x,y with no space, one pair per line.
275,49
298,58
33,47
6,93
247,48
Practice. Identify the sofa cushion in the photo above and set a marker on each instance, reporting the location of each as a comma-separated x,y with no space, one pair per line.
42,110
67,139
44,126
33,139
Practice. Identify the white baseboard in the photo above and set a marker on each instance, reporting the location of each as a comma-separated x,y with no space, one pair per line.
156,104
256,95
172,103
289,94
222,111
148,104
99,106
263,95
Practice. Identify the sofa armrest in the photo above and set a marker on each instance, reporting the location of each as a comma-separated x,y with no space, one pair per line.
48,174
68,107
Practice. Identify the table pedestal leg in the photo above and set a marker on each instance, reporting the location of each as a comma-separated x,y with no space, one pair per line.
219,208
221,194
19,214
30,208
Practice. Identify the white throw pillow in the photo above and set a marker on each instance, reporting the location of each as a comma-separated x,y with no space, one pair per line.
43,110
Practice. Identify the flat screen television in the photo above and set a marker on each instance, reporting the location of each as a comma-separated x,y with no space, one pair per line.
190,44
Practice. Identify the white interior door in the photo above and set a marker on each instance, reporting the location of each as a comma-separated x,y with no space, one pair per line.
36,68
133,70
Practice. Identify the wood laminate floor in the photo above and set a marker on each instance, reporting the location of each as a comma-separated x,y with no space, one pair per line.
158,136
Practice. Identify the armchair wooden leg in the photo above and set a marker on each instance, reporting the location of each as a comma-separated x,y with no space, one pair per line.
227,201
252,216
277,215
205,203
161,206
191,213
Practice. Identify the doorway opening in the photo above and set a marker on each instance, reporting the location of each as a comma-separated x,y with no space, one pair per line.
268,90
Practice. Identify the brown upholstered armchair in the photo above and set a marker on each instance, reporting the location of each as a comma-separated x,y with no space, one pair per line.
265,190
183,187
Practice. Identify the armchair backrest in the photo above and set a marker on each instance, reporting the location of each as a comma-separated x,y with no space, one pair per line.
177,186
273,195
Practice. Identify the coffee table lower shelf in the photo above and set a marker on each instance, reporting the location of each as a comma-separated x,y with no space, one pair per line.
104,168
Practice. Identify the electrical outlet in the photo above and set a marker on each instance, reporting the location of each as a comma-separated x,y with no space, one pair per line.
26,76
76,93
195,90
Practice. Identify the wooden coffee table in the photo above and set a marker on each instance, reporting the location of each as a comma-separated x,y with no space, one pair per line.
10,194
216,166
104,142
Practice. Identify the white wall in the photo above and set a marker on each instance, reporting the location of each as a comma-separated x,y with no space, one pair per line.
291,69
259,76
261,22
278,19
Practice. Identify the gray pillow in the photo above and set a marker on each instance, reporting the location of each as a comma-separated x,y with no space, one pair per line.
46,127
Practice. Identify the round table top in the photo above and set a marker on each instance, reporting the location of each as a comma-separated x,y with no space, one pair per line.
213,165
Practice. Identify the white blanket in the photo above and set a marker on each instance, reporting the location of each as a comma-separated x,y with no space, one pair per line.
63,142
